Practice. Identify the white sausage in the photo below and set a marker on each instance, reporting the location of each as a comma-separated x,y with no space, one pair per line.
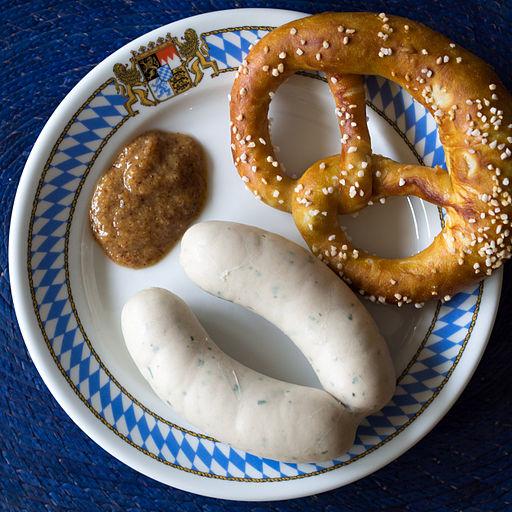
223,398
285,284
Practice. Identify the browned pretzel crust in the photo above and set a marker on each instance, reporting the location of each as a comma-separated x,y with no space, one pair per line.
467,100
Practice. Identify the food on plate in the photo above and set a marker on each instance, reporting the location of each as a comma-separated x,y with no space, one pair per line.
224,398
286,285
149,196
468,102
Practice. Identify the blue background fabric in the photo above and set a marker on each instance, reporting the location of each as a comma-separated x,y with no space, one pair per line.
46,462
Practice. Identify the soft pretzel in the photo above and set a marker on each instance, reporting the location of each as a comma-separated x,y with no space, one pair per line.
468,102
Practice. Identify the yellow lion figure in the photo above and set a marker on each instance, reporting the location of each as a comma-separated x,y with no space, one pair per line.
195,54
128,83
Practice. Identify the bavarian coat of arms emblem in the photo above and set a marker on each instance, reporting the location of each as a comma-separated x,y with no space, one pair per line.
163,70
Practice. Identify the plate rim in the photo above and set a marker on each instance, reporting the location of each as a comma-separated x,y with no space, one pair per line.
100,434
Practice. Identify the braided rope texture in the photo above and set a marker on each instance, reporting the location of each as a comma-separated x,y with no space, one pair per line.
46,462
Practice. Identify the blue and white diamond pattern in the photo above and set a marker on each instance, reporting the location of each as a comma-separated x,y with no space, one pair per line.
229,48
171,444
161,84
412,118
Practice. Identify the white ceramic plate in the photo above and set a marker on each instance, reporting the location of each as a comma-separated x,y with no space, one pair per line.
68,295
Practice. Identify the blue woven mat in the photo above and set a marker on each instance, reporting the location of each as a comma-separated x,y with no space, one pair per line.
46,462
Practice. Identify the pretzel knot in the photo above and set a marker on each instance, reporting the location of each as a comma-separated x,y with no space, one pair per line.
470,106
